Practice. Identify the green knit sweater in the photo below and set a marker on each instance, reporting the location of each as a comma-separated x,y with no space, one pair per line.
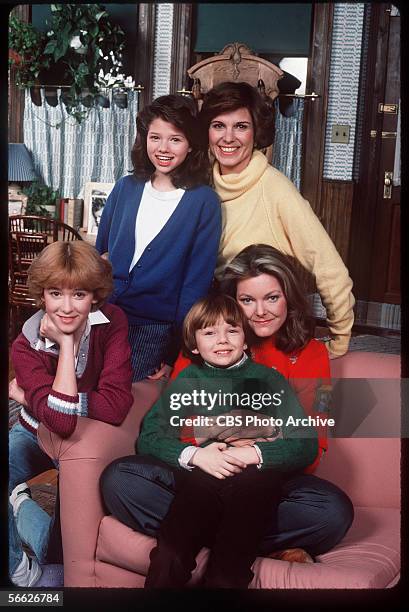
210,392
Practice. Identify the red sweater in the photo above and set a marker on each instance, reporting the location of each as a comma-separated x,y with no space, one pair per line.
104,389
307,371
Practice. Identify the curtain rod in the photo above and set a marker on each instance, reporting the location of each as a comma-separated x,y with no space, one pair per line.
312,95
137,88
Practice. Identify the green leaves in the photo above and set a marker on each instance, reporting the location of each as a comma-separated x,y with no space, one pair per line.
79,37
28,56
39,195
50,47
93,29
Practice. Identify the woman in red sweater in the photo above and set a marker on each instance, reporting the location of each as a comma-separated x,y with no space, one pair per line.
265,284
313,514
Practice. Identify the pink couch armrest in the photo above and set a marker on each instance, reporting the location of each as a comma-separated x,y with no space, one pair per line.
366,468
82,457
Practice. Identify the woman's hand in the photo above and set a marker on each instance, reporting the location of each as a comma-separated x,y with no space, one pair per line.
49,330
240,431
231,433
246,441
246,453
215,462
163,372
105,255
16,392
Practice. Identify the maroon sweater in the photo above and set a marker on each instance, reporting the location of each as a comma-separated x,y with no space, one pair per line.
104,388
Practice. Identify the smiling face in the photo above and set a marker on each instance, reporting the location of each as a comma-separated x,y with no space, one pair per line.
231,140
167,146
68,308
221,344
263,302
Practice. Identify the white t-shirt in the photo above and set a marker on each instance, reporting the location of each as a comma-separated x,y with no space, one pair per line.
155,210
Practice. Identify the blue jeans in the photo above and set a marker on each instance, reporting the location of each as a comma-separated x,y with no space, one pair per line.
313,513
32,524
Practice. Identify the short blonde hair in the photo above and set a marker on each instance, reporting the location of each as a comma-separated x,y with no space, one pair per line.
75,264
207,312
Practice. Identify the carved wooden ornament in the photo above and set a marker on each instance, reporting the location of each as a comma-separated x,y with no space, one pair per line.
236,62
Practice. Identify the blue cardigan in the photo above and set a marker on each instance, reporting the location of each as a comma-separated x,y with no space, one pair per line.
176,268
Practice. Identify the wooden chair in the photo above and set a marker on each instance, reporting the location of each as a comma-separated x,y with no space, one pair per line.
235,62
23,248
28,235
55,230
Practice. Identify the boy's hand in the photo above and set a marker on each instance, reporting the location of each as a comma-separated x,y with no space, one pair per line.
16,392
49,330
215,462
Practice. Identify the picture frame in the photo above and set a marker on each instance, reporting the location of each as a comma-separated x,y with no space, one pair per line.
95,197
17,204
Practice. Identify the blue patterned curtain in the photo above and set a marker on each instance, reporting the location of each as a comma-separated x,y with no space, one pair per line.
288,142
96,150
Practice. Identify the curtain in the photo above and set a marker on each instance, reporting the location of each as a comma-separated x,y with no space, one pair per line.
288,141
97,149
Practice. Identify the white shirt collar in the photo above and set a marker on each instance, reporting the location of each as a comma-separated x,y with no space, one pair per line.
94,318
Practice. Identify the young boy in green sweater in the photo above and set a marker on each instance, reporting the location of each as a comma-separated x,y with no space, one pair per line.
224,494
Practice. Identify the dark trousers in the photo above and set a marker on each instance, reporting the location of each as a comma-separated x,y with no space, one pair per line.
229,516
313,513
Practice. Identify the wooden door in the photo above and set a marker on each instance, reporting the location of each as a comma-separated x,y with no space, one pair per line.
385,272
374,260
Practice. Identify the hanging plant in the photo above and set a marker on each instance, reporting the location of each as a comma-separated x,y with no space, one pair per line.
26,52
81,42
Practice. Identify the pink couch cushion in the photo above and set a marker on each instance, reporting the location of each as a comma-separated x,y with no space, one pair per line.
366,365
367,469
368,556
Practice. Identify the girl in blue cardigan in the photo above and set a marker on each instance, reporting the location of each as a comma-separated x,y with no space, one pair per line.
161,230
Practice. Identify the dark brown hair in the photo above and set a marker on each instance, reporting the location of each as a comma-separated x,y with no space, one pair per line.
181,112
207,312
229,96
75,264
258,259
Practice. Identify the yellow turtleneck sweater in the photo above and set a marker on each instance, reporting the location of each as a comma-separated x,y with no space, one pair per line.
260,205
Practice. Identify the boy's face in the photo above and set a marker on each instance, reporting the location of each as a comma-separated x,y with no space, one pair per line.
221,344
69,308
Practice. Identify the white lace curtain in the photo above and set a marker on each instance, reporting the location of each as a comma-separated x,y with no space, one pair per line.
67,157
98,149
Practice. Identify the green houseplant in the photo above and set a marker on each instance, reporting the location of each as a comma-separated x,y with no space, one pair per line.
41,200
80,44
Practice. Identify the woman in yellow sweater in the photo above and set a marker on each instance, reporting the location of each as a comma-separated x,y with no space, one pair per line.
260,205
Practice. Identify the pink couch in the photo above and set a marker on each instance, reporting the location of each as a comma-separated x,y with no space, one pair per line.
101,552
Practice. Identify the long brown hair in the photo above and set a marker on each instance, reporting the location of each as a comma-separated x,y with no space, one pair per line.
257,259
181,112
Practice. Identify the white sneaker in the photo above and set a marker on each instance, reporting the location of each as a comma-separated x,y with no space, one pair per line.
27,573
19,494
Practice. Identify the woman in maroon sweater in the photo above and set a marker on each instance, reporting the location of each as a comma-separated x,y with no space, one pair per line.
71,359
